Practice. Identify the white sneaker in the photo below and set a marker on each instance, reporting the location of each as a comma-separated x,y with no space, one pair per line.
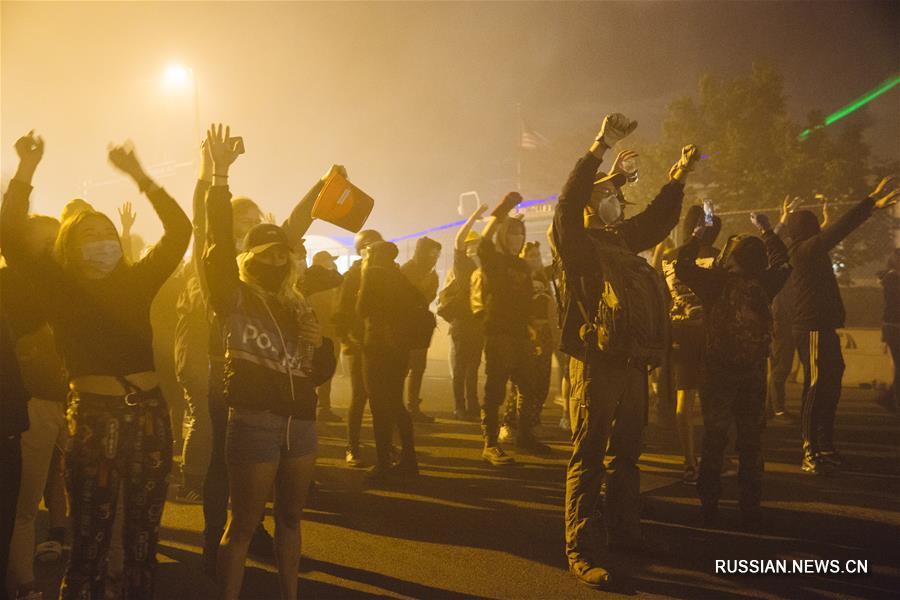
507,433
497,457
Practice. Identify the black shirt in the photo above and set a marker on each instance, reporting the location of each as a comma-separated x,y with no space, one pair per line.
102,326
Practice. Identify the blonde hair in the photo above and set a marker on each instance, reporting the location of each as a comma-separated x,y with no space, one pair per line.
288,295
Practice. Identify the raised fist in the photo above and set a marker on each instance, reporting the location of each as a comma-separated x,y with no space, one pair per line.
690,155
30,148
615,127
509,202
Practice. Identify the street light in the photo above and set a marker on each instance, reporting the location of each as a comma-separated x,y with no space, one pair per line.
176,77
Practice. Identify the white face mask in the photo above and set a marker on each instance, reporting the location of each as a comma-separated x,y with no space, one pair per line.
609,209
102,256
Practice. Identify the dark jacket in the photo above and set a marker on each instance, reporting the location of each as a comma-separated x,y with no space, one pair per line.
818,299
506,291
711,286
318,279
267,364
574,243
347,323
708,283
102,327
388,304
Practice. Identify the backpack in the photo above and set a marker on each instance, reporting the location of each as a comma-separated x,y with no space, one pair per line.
453,299
739,324
686,306
630,319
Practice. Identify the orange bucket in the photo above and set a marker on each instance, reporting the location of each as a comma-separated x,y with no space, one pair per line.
342,203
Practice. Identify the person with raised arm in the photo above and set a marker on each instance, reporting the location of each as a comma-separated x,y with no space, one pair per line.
614,328
736,294
466,331
275,356
99,309
506,292
818,314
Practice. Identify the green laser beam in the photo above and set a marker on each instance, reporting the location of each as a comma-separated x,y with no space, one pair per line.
839,114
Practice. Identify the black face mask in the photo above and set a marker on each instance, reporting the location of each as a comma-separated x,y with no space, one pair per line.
270,277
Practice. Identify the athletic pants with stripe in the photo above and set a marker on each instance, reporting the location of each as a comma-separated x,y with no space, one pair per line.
823,370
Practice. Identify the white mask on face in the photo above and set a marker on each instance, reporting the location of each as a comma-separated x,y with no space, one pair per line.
102,256
609,209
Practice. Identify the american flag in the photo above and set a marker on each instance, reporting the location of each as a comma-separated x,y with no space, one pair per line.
531,139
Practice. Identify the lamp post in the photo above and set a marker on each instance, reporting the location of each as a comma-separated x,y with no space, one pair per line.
177,76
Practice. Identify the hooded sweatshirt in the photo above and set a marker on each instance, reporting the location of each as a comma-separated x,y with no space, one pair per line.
748,265
818,305
506,288
425,280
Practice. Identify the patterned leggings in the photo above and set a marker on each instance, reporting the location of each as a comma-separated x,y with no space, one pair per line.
110,445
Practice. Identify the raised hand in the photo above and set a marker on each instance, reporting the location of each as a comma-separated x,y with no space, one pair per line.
30,148
479,211
761,221
690,155
886,193
614,128
223,149
123,158
269,218
127,216
623,156
509,202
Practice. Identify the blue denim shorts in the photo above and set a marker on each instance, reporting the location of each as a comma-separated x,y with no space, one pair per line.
259,436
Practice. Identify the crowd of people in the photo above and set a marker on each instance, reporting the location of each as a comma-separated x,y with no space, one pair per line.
259,334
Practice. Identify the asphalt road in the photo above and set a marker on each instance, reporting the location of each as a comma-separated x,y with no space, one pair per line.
466,530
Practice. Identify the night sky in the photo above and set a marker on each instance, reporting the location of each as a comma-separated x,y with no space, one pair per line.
418,100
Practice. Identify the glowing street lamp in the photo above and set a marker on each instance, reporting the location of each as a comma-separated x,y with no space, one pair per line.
177,76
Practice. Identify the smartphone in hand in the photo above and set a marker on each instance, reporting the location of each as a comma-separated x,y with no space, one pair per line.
708,212
240,143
